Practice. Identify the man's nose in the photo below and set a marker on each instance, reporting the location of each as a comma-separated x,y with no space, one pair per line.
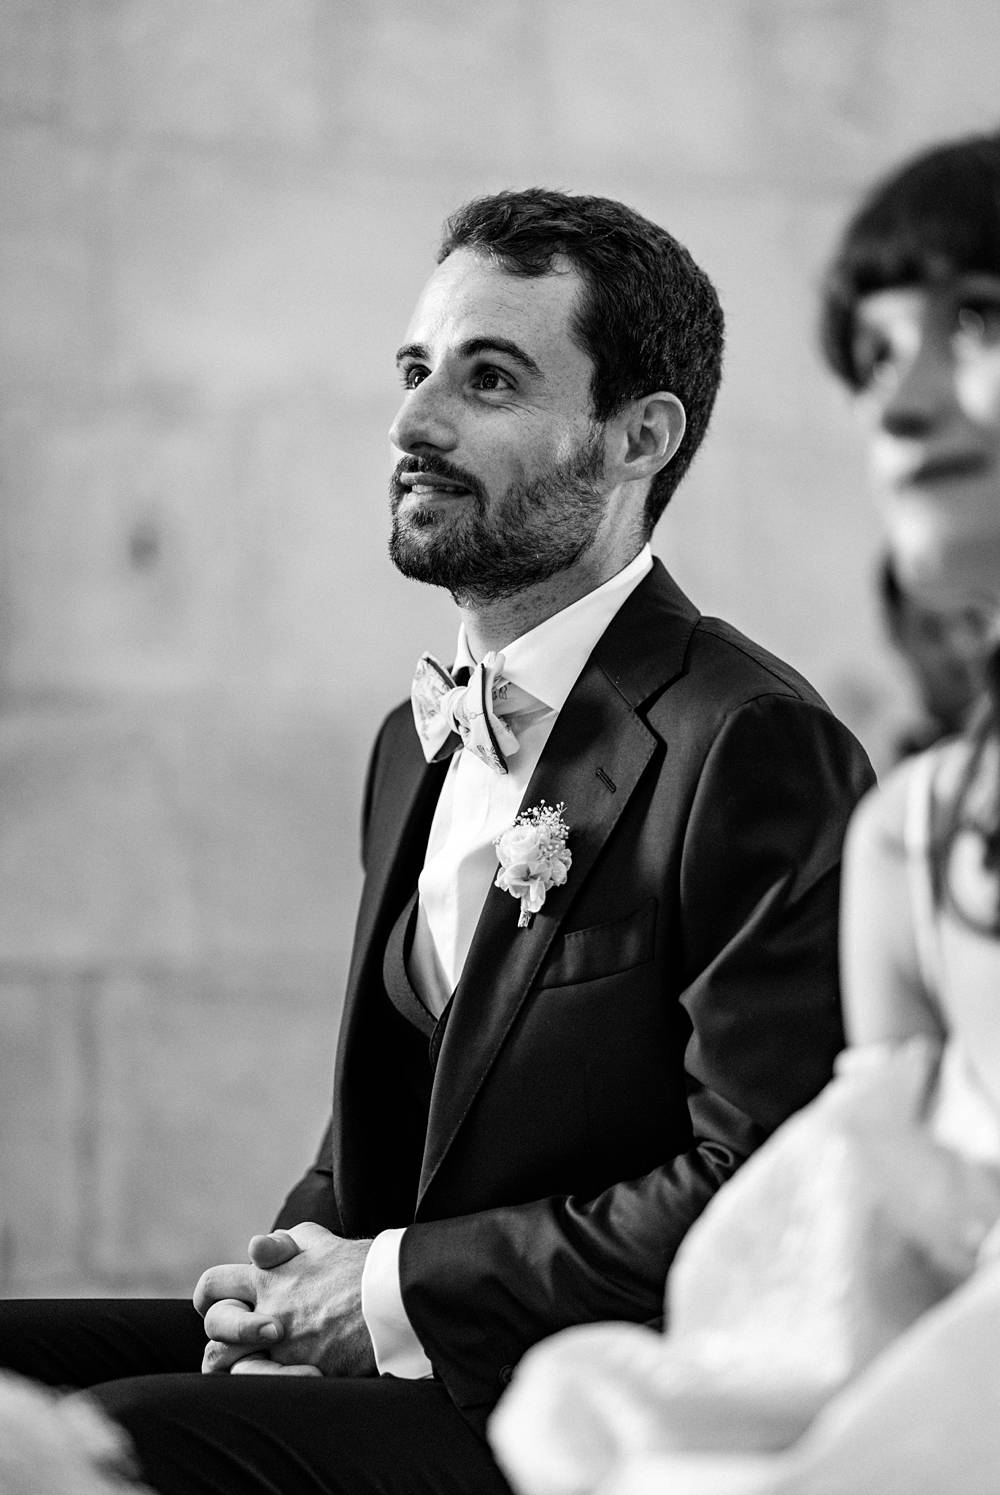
424,420
923,390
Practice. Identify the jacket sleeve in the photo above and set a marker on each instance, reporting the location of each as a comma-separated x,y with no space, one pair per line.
312,1198
755,978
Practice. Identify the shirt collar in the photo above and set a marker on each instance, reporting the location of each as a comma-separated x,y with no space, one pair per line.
548,659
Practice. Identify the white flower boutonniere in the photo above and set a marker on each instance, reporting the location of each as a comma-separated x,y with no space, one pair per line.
534,857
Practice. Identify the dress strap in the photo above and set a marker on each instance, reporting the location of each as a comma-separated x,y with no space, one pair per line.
917,836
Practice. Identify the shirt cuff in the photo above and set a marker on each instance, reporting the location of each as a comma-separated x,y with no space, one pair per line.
398,1351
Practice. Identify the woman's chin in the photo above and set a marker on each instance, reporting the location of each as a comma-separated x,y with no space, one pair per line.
948,574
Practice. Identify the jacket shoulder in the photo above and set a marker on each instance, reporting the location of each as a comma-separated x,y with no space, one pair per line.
733,690
722,658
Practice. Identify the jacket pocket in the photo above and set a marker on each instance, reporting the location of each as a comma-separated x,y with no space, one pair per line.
603,949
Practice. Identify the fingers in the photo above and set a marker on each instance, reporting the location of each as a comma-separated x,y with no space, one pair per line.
233,1322
218,1358
233,1280
279,1246
273,1250
254,1365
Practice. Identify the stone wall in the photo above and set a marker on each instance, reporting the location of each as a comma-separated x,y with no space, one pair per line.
216,216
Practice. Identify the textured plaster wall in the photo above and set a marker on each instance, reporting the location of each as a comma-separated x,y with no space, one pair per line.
216,215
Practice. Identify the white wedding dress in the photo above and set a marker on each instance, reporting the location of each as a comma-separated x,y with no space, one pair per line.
834,1317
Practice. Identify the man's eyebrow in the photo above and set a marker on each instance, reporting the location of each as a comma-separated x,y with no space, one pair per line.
473,347
477,345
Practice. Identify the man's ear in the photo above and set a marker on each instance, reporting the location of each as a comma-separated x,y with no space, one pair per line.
650,430
655,430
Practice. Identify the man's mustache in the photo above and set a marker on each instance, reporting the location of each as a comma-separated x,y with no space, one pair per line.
437,467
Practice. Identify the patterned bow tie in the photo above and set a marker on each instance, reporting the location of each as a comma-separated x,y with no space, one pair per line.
449,715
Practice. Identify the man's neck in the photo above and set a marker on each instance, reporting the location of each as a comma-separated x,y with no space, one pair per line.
492,625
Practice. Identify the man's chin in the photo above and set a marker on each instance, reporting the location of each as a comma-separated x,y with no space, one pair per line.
418,552
441,563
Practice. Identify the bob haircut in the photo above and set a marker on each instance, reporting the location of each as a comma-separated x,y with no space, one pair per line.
937,216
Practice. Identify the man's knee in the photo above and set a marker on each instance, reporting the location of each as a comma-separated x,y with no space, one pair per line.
136,1398
168,1424
86,1341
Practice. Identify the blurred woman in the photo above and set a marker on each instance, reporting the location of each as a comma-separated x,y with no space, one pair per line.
834,1318
941,653
60,1445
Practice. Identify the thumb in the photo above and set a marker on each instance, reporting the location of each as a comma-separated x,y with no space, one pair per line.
273,1249
308,1234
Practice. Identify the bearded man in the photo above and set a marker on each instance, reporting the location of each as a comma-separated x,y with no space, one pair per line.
546,1067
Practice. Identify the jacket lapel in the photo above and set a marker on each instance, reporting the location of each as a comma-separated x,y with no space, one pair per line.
592,763
395,842
395,839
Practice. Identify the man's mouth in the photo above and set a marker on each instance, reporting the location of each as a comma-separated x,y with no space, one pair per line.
427,485
426,482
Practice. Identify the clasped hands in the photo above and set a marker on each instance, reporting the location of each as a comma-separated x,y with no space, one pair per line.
293,1309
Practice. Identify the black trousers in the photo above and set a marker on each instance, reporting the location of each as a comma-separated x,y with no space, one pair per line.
244,1435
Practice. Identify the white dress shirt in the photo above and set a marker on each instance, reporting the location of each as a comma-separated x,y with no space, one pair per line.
474,807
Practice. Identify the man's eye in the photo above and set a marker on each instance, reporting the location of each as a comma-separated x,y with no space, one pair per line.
412,376
491,378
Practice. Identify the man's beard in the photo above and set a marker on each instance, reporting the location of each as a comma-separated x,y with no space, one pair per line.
496,548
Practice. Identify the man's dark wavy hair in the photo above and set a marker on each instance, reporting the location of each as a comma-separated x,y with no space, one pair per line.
649,317
937,216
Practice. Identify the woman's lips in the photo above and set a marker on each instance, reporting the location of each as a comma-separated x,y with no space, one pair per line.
947,466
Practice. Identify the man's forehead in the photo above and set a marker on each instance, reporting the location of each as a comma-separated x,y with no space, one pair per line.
470,293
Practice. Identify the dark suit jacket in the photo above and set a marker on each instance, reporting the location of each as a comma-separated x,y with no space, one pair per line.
603,1072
